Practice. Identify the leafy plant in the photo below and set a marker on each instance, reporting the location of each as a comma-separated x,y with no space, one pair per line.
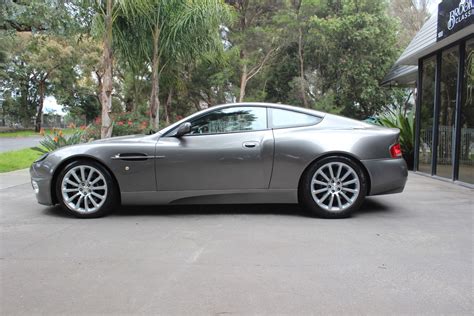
57,140
125,123
405,123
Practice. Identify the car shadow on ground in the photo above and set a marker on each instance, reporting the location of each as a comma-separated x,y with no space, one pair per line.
370,206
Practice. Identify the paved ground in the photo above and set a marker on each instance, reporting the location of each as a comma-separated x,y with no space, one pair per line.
410,253
15,143
13,179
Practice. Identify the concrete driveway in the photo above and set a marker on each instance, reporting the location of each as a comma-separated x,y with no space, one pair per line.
16,143
410,253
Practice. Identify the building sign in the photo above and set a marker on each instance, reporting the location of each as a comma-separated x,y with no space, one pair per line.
454,15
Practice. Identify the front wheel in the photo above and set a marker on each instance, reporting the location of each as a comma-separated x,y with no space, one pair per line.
333,187
86,189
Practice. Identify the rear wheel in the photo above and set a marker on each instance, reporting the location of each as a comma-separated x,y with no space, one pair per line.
86,189
333,187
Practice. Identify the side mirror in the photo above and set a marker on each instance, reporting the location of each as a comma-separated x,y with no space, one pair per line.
183,129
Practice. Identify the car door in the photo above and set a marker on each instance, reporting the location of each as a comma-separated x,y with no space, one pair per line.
227,149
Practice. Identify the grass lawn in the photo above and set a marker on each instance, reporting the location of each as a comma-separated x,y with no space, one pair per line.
17,159
26,133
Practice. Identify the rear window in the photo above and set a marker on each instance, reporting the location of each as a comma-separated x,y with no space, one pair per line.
285,118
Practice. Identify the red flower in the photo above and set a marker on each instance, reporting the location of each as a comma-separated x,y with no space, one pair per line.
120,123
97,120
130,123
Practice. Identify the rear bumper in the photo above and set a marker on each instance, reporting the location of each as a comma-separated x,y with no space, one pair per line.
387,176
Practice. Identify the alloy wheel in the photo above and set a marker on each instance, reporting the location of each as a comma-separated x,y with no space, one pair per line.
335,186
84,189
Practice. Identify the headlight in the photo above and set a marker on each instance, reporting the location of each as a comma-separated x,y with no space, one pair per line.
41,158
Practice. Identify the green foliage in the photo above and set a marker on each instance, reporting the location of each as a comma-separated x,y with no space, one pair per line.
125,123
354,48
130,123
58,139
17,159
203,49
405,123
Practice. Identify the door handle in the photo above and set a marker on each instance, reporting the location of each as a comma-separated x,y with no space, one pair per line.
250,144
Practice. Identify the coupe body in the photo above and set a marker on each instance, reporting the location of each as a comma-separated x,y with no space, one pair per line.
233,153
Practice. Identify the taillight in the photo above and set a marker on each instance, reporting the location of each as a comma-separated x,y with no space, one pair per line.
396,151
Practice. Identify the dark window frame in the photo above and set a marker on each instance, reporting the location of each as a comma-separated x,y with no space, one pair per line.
461,43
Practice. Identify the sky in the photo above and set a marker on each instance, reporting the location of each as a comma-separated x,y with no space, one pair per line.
434,6
51,105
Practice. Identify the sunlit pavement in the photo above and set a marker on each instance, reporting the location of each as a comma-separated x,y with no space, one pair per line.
402,254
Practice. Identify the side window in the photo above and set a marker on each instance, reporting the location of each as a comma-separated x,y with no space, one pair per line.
284,118
236,119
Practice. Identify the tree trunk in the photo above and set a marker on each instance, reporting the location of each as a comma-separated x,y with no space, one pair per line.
243,76
107,60
155,82
24,112
39,113
301,61
168,106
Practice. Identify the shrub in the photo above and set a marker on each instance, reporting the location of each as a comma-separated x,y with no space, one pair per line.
126,123
405,123
57,139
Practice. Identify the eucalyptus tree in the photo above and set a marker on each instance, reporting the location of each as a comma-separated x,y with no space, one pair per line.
34,65
256,33
109,15
411,15
171,31
300,15
355,48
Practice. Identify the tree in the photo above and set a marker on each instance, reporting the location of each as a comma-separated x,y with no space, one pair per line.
36,63
355,49
109,15
256,35
41,29
303,10
49,16
80,91
163,34
411,15
48,59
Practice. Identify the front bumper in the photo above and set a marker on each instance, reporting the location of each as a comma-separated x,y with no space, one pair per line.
41,183
387,176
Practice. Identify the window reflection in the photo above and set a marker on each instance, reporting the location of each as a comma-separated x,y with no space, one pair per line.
231,120
426,113
447,112
283,118
466,154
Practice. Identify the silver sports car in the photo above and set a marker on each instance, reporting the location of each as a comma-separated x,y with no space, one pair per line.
233,153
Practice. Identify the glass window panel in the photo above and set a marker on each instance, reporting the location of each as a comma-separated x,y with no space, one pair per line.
426,115
447,112
231,120
283,118
466,154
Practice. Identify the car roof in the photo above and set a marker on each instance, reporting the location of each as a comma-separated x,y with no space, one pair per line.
271,105
246,104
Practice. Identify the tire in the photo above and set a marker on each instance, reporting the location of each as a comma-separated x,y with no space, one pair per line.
329,192
86,189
